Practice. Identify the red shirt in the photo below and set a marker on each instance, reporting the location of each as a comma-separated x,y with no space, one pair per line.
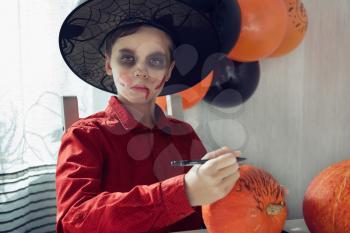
114,174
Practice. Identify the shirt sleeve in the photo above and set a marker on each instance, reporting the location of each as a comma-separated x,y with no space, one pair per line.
83,207
197,151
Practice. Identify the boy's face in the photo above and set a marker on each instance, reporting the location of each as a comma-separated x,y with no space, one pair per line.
140,59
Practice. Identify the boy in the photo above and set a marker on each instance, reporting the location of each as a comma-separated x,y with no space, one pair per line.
113,169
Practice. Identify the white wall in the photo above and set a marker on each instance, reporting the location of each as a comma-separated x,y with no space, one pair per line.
297,121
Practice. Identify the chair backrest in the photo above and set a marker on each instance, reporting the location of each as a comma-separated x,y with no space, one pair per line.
70,111
174,106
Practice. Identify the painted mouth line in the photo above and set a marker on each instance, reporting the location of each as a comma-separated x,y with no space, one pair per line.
140,89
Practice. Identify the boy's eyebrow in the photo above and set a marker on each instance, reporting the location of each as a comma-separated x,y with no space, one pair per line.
126,50
132,51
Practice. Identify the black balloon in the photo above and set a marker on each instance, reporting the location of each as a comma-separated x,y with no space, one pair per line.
233,82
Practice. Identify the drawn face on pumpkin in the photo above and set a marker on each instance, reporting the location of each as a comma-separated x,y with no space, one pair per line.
140,64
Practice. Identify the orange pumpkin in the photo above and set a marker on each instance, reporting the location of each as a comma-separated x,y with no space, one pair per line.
326,204
255,204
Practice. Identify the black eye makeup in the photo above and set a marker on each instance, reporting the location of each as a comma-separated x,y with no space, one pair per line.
156,60
126,59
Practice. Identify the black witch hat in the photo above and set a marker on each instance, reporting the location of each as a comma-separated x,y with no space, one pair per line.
198,29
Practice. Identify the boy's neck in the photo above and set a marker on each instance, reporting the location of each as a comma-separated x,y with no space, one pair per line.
143,113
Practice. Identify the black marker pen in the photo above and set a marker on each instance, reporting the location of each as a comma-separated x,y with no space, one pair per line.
182,163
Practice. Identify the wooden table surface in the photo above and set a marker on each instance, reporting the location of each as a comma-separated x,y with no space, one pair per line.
291,226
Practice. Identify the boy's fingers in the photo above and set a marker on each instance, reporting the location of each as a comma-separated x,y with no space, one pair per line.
237,153
221,151
218,152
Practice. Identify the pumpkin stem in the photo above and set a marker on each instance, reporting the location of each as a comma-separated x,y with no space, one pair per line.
274,209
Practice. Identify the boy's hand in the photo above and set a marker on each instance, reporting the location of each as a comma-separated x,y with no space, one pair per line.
214,179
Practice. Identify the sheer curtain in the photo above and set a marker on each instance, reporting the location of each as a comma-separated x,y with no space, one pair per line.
33,78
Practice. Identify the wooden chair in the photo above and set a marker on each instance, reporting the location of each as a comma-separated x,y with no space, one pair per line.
70,109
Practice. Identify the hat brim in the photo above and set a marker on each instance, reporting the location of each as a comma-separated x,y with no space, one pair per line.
82,35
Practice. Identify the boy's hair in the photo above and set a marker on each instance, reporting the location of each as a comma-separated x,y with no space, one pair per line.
128,30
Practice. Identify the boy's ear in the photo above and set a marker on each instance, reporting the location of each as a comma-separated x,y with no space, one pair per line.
172,65
108,67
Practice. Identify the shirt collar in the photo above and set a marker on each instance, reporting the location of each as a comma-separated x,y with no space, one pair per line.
115,109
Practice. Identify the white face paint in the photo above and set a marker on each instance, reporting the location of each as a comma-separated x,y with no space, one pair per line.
141,59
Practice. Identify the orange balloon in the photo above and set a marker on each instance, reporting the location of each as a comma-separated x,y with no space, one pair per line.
263,26
296,29
190,96
161,101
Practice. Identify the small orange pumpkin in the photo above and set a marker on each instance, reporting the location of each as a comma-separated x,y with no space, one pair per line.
326,205
255,204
